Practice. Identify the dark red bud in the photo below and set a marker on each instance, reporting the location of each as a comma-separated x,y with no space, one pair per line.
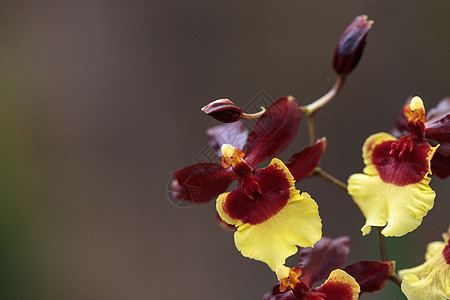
351,45
223,110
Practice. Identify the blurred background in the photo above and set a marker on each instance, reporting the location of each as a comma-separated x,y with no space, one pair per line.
100,101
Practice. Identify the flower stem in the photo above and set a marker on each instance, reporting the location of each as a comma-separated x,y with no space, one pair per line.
394,278
381,244
313,107
311,129
253,116
330,178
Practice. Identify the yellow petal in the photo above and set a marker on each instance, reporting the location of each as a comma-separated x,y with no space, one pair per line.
402,208
430,280
272,241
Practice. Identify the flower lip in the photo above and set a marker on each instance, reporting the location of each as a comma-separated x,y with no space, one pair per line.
275,191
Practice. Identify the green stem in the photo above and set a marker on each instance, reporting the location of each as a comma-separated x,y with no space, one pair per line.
394,278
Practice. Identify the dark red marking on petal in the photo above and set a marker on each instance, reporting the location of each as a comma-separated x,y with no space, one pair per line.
201,182
440,164
371,275
397,165
334,291
274,131
318,262
446,253
303,163
274,195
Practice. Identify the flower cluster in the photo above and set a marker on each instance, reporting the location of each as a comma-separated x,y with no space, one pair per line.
270,217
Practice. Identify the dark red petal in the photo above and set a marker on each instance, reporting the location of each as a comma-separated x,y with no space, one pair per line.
440,164
401,124
318,262
223,110
201,182
440,111
351,45
274,131
274,195
439,130
402,167
371,275
234,134
303,163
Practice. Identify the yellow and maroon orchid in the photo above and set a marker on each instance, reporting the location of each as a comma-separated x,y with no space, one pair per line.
324,262
394,190
430,280
271,216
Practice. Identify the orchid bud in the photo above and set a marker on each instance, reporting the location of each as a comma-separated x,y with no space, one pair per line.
351,45
223,110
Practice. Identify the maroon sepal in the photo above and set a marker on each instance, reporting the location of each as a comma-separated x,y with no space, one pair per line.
223,110
318,262
274,131
201,182
303,163
371,275
439,130
351,45
234,134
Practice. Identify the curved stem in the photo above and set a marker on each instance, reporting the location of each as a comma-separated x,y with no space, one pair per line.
330,178
253,116
313,107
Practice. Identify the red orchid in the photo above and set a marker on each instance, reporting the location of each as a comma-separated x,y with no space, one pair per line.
272,134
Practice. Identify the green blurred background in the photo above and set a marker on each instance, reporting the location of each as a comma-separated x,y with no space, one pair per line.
100,101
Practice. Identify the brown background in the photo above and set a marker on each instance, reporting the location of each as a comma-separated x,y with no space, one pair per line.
100,101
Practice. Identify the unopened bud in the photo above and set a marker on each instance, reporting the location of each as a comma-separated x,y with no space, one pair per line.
223,110
351,45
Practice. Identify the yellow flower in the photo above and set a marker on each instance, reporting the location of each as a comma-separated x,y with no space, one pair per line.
430,280
271,216
394,190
